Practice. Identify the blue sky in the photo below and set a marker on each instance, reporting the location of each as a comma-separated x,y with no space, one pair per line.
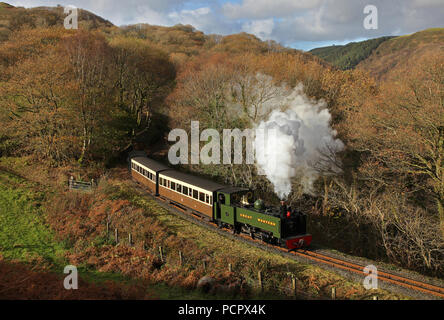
301,24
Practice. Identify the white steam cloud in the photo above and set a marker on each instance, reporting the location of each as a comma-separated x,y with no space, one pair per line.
298,138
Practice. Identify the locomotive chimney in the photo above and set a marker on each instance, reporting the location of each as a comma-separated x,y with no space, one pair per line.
283,209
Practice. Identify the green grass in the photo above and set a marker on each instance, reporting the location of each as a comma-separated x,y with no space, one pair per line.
24,234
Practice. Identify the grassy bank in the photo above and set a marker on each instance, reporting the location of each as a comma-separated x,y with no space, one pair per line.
24,233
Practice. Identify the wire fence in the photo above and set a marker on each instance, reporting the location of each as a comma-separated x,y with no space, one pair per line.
291,286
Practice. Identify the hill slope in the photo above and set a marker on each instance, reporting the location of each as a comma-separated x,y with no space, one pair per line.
350,55
401,52
14,18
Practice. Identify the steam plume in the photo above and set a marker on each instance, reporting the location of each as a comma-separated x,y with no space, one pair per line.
297,138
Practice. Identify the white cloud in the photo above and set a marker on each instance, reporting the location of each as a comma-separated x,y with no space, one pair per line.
428,3
260,28
197,17
259,9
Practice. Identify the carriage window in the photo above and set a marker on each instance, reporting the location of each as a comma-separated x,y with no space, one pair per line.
191,192
211,199
202,196
178,188
173,185
151,176
185,190
207,198
195,194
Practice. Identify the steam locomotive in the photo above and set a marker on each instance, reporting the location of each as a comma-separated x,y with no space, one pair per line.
229,207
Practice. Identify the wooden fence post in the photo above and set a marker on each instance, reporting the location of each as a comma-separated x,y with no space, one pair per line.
293,284
259,276
161,253
107,230
116,235
180,258
205,265
230,267
130,239
333,293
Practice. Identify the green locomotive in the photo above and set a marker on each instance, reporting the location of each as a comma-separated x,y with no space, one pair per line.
234,208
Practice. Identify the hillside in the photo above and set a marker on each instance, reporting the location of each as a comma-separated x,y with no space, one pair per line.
402,52
15,18
73,103
348,56
181,40
186,40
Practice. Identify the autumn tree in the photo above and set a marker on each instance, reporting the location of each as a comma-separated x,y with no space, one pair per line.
34,99
143,77
72,100
89,57
403,132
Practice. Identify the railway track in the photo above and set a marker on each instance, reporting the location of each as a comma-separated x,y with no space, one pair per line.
320,258
382,276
